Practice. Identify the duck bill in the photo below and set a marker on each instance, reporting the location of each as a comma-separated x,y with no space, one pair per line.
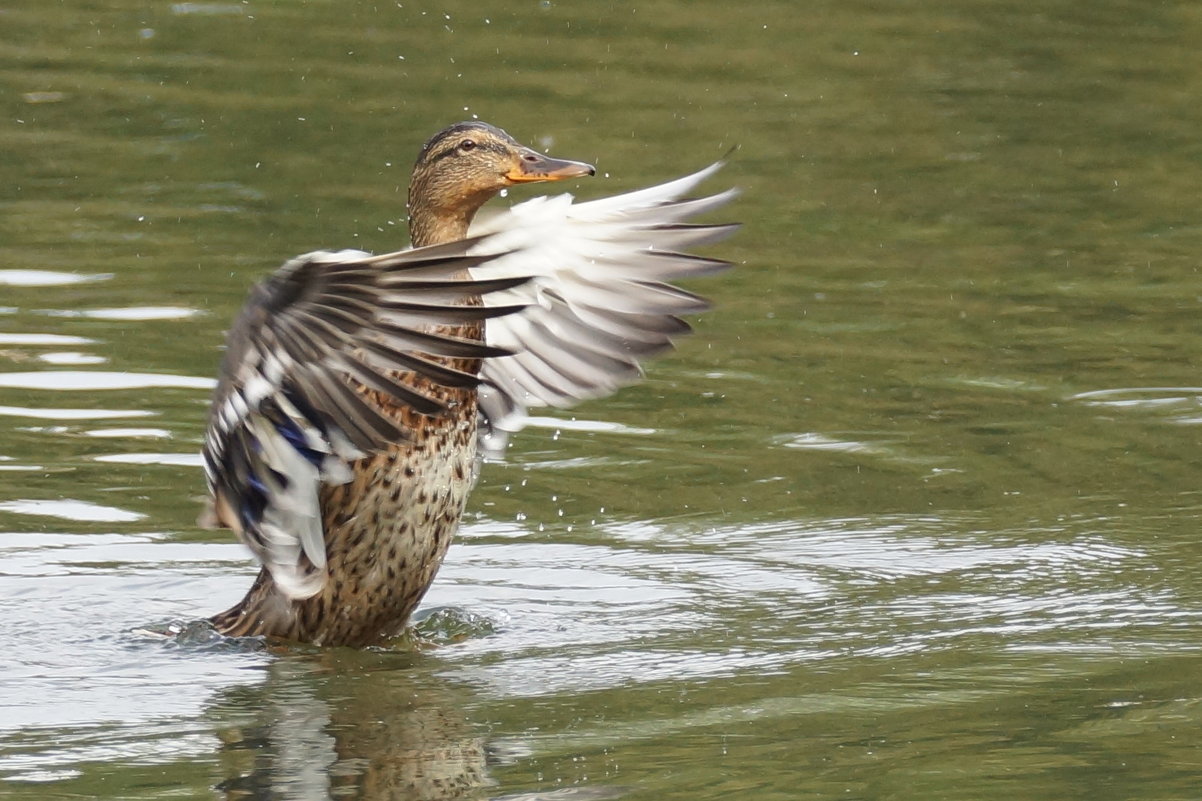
537,167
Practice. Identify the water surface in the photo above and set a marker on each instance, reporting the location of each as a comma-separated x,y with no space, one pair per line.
913,516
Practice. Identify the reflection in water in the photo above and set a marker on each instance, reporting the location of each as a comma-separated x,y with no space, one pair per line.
372,733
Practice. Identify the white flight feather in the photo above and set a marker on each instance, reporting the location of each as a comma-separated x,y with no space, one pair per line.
596,255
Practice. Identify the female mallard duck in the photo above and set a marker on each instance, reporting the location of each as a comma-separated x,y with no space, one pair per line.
356,389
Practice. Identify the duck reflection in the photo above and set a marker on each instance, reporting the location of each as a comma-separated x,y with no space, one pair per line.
346,724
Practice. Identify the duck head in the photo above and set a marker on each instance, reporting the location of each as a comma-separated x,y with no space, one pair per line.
464,166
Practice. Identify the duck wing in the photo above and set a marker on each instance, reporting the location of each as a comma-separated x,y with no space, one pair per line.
600,300
285,417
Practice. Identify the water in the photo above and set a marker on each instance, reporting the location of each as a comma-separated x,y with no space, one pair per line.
913,516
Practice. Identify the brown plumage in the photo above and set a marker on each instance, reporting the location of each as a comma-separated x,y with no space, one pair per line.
342,441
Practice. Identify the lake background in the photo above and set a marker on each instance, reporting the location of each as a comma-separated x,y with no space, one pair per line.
914,515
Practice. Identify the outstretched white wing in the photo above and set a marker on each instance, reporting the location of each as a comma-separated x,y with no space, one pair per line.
600,299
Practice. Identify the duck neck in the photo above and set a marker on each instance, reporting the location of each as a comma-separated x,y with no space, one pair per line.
427,227
432,223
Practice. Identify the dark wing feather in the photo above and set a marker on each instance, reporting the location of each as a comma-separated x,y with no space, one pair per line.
286,417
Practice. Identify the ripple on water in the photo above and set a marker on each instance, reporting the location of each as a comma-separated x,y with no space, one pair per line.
860,446
70,509
71,358
98,380
44,339
72,414
129,433
592,426
10,464
131,314
653,600
1178,404
812,441
634,604
177,459
37,278
208,9
76,606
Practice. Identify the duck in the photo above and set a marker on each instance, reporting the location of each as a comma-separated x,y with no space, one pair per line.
358,394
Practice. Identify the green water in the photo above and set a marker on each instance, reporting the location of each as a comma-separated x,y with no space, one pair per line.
913,516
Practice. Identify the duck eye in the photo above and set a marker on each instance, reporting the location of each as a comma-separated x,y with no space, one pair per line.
467,144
